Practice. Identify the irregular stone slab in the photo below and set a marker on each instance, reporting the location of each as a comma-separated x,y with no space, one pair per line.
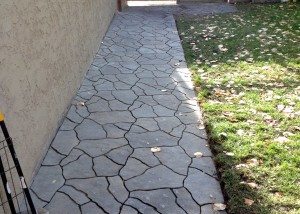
131,65
143,111
81,168
116,105
77,196
105,167
48,180
175,158
108,69
106,95
147,100
128,78
135,105
133,168
38,203
96,189
117,188
141,207
178,131
89,130
162,111
125,96
147,123
124,126
95,148
146,156
208,209
206,187
82,111
167,124
163,200
99,62
149,81
67,125
183,108
91,208
169,101
149,90
112,117
113,131
188,118
59,203
137,129
192,144
128,210
155,178
194,129
120,155
151,139
65,141
73,115
185,200
105,86
74,155
205,164
99,106
52,158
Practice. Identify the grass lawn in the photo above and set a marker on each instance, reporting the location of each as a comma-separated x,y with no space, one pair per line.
246,69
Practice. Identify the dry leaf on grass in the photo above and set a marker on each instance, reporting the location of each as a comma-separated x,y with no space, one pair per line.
250,184
253,162
281,139
219,207
240,132
155,149
248,201
278,194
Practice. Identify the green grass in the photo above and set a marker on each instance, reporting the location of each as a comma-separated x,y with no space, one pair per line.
246,69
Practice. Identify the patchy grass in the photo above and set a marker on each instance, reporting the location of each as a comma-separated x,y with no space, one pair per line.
246,68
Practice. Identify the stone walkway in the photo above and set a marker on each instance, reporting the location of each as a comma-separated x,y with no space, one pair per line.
136,95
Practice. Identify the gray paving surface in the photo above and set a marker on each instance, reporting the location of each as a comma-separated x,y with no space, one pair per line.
137,95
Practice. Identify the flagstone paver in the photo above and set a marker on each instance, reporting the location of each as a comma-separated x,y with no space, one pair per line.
136,95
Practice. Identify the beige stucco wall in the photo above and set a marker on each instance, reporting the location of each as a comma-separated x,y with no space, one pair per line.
45,49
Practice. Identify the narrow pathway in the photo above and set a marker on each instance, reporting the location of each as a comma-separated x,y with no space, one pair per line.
137,95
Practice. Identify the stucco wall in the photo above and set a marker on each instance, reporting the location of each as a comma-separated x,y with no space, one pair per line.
45,48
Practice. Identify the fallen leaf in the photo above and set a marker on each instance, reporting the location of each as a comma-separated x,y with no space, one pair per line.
220,92
223,135
281,139
229,153
248,201
278,194
251,185
80,104
251,122
287,134
280,107
198,154
242,102
253,162
227,114
201,126
288,109
219,207
155,149
242,165
240,132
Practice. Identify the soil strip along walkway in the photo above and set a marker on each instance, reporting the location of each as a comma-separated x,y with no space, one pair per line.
137,95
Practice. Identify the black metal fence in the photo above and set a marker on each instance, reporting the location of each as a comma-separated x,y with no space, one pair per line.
14,194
